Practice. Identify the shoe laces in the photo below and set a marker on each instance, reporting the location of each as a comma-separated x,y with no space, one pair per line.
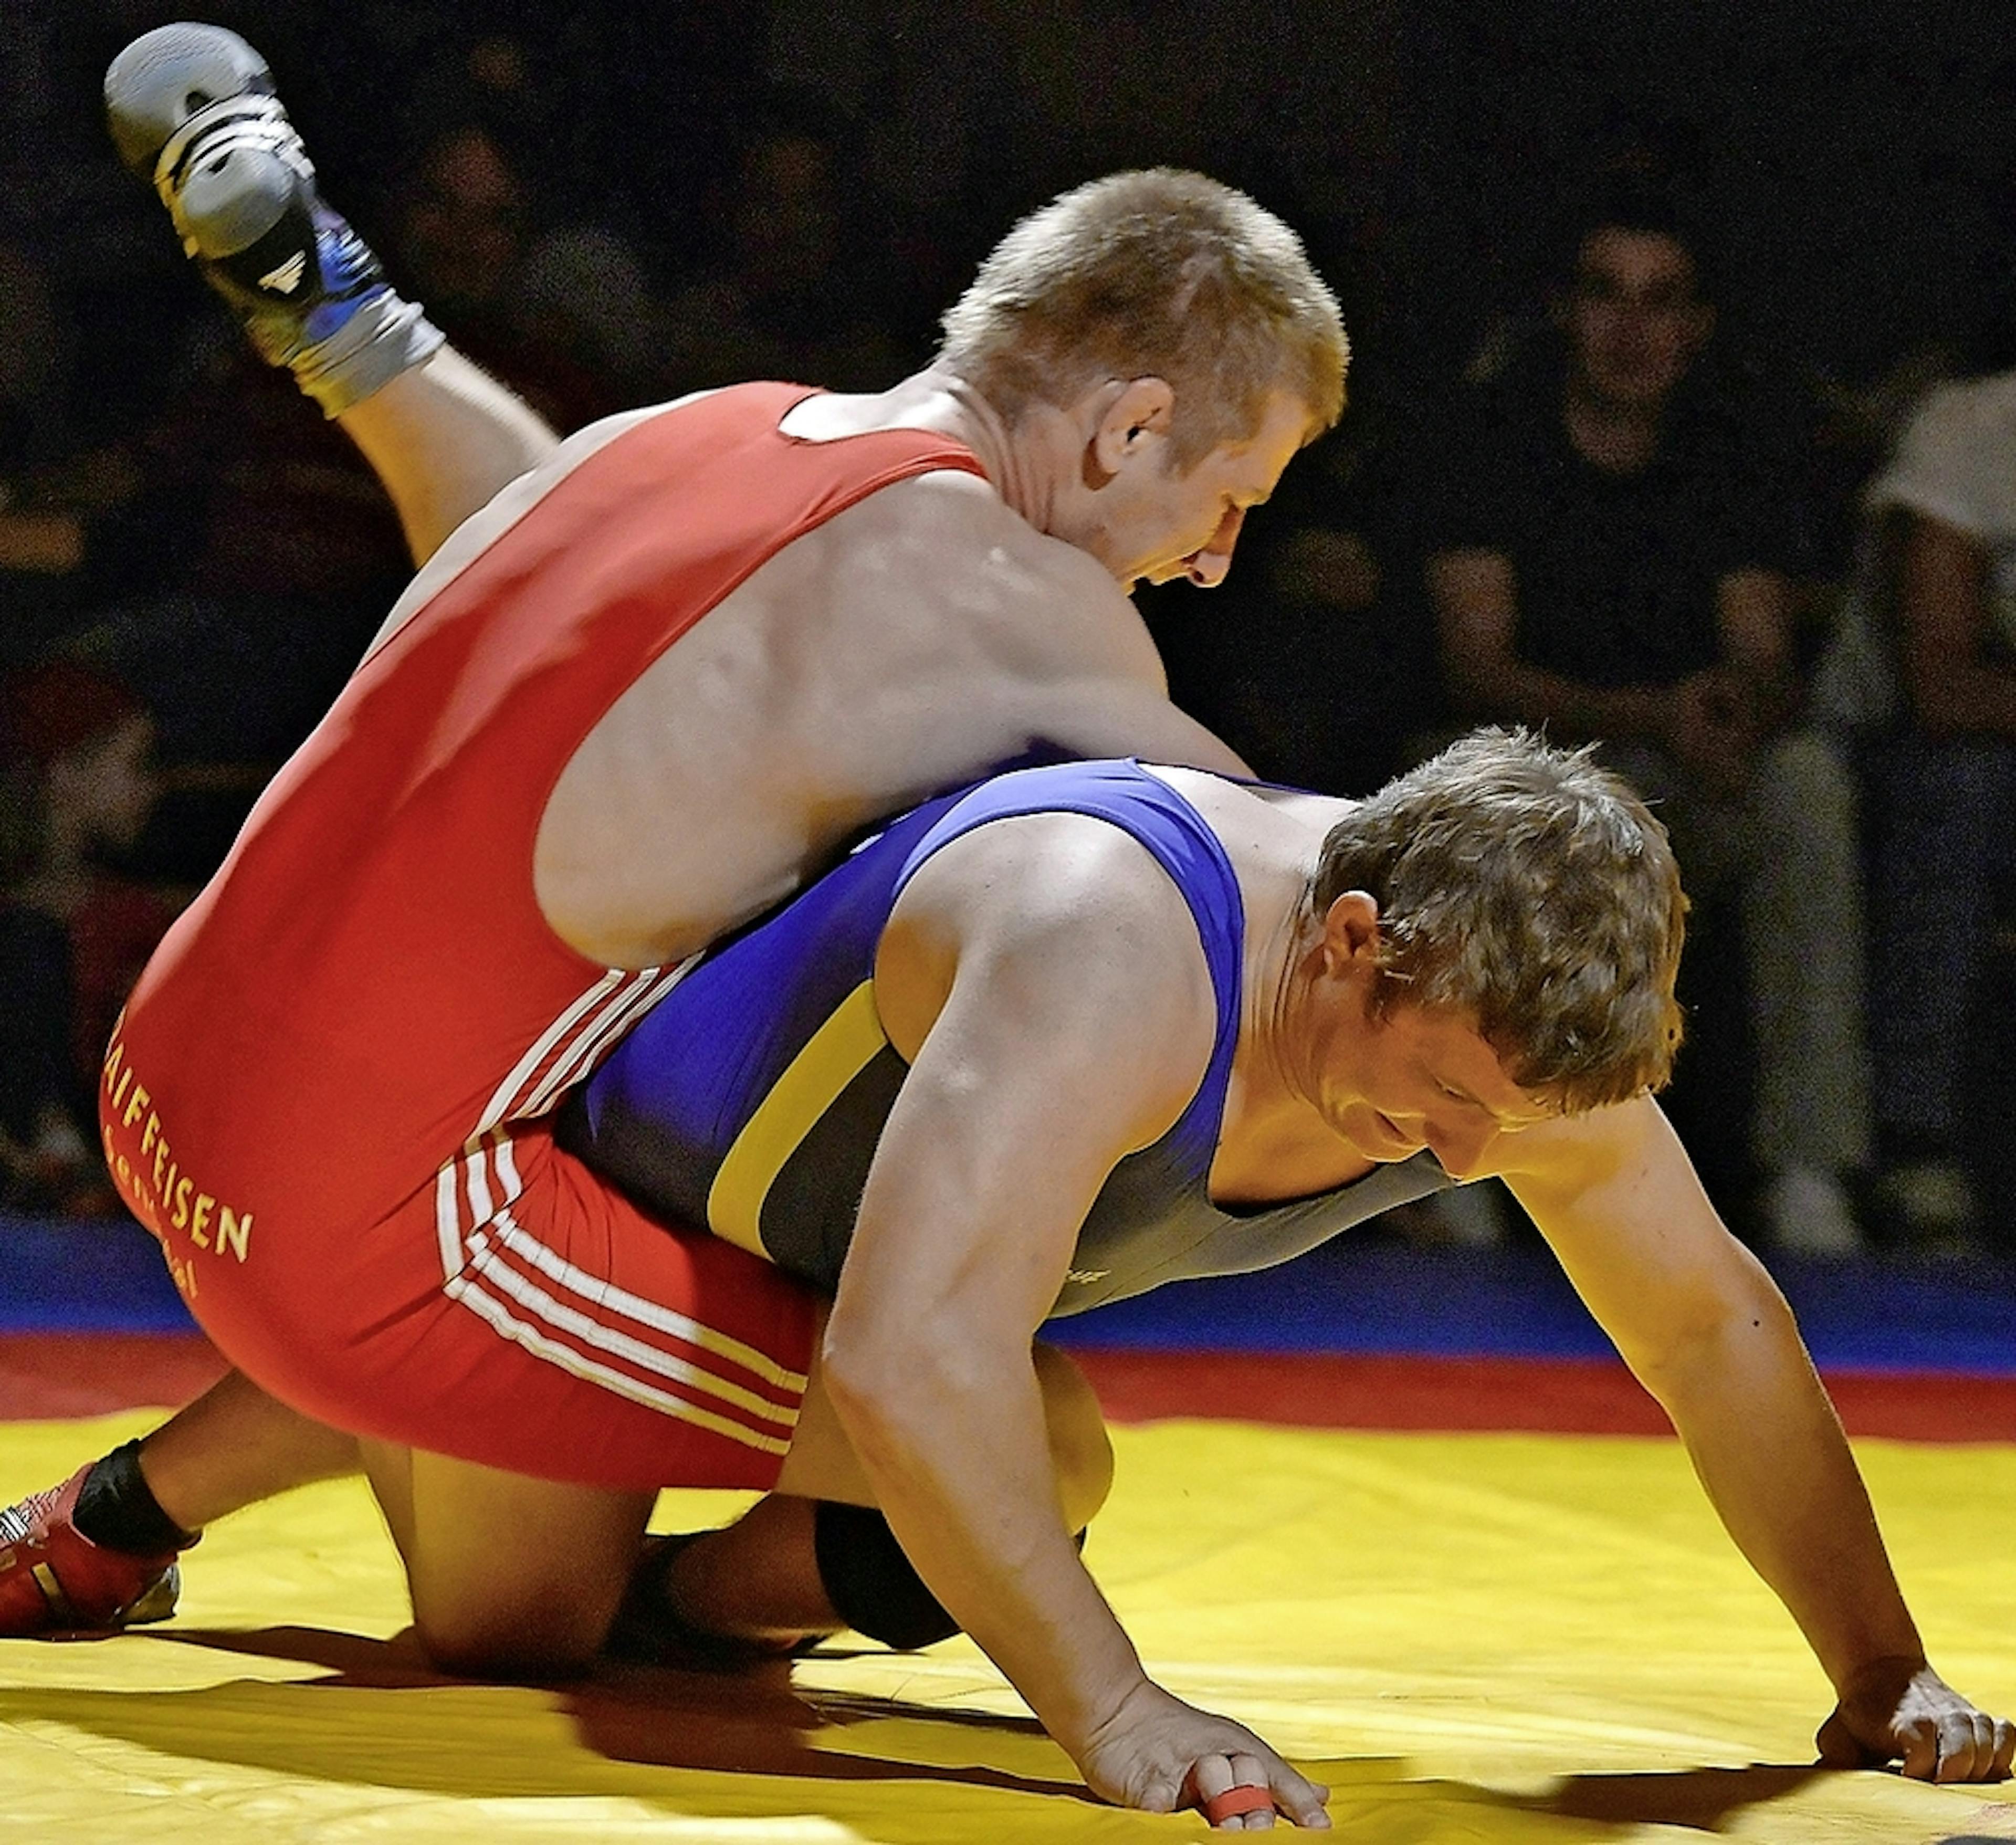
18,1522
247,121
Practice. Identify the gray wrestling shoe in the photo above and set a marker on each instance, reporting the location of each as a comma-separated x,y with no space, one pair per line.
191,109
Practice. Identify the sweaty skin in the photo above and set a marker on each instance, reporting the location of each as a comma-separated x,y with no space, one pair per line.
971,1213
937,628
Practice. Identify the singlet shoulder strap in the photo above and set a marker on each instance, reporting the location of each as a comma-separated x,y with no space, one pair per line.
1145,807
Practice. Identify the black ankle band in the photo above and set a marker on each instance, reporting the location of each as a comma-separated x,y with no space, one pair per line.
116,1508
871,1585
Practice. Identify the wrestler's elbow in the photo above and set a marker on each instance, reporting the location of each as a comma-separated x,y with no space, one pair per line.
869,1363
1727,1334
898,1374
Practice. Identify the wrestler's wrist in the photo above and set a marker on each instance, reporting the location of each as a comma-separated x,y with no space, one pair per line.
1121,1706
1880,1672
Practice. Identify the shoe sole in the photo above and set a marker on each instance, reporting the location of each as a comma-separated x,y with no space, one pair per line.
165,77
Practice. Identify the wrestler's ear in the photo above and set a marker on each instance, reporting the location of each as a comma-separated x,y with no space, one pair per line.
1351,932
1134,424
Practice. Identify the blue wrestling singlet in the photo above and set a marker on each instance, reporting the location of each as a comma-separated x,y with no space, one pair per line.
751,1098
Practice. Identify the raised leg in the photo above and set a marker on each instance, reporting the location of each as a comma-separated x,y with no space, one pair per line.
193,110
444,438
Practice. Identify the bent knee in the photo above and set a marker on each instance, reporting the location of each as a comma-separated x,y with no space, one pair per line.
1081,1451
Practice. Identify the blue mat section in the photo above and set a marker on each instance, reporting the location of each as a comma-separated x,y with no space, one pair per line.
1365,1292
84,1278
1374,1293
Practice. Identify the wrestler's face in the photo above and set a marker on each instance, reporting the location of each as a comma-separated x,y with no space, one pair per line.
1420,1078
1392,1078
1151,523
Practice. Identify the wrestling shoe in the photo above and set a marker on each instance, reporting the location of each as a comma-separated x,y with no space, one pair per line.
54,1579
191,109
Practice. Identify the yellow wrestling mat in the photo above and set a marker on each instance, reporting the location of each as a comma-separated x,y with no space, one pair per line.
1471,1638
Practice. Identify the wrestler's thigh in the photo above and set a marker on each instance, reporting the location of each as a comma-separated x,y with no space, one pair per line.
511,1576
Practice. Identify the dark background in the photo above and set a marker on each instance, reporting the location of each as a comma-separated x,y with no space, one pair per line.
1852,157
1852,164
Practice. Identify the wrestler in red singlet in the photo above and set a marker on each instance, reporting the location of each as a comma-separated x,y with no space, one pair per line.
311,1097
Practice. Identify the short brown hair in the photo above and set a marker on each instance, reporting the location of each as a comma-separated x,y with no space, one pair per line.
1531,889
1159,272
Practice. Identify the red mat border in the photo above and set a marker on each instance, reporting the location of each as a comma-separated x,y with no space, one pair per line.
45,1376
1563,1396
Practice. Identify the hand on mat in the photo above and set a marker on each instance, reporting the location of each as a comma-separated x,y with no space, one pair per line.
1158,1754
1900,1708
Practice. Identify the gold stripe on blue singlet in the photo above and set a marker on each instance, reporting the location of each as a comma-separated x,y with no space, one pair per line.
834,1055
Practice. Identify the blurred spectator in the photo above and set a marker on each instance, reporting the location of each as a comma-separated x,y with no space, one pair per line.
562,314
790,298
78,747
1315,659
48,494
1612,548
241,555
1936,611
46,1163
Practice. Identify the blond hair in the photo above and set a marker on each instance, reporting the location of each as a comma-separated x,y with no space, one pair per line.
1531,889
1158,273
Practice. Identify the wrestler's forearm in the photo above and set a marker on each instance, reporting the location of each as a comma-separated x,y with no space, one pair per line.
959,1459
1768,1448
1708,1333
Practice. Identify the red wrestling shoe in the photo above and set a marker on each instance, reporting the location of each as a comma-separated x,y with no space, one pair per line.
54,1579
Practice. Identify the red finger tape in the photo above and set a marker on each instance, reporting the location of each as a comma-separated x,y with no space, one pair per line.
1236,1800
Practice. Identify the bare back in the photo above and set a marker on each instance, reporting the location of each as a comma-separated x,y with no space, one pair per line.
912,641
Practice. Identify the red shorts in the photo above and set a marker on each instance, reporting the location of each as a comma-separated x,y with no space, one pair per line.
368,988
518,1312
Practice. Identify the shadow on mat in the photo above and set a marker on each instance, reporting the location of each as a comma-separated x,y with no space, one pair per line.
617,1734
1704,1799
755,1722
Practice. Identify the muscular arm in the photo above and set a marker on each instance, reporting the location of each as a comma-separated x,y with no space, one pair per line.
1119,718
1705,1329
1942,612
1016,1108
1095,684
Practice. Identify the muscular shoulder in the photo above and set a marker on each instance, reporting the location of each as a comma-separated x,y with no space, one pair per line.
1073,930
1039,600
1059,650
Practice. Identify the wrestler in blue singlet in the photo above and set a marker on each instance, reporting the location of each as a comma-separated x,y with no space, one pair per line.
752,1097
